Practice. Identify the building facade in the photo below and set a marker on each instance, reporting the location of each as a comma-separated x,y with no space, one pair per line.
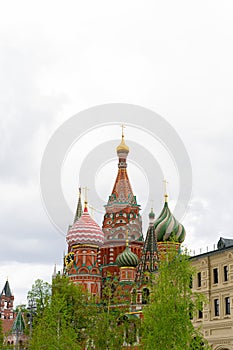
214,279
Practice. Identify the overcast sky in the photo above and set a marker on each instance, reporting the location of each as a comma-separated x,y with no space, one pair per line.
58,58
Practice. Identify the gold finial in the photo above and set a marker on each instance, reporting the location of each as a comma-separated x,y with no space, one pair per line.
127,238
165,190
85,196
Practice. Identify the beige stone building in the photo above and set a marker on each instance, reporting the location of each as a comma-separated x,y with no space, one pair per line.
214,278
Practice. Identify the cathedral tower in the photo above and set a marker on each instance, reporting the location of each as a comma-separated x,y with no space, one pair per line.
149,259
122,215
84,238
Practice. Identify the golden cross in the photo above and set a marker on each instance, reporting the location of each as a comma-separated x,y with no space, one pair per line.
85,193
152,204
127,238
165,189
122,126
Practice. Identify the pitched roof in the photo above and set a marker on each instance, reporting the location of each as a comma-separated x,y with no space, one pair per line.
19,324
6,290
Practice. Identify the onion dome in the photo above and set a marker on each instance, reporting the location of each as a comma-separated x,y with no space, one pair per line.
85,231
127,258
167,228
122,146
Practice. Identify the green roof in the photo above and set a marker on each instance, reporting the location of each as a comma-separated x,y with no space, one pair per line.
6,290
19,325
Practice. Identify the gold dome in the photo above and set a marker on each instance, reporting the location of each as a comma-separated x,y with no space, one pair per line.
122,146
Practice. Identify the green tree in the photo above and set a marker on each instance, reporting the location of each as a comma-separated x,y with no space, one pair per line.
107,332
167,320
1,335
40,294
65,320
109,325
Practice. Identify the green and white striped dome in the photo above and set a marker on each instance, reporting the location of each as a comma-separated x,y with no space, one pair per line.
127,258
167,228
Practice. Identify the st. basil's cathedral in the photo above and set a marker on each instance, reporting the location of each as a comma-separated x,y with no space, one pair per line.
119,249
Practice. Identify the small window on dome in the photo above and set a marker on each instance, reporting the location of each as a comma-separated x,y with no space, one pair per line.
120,236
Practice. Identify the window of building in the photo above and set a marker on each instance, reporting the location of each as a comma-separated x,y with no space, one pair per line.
191,282
227,306
200,310
199,279
225,272
215,271
216,307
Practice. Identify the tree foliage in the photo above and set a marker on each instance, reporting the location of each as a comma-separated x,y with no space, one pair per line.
167,318
40,294
65,320
107,332
110,325
1,334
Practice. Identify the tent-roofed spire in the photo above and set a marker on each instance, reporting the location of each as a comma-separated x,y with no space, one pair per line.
149,258
122,191
6,290
122,209
19,324
79,210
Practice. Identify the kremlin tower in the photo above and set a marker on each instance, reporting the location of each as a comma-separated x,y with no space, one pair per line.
6,303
